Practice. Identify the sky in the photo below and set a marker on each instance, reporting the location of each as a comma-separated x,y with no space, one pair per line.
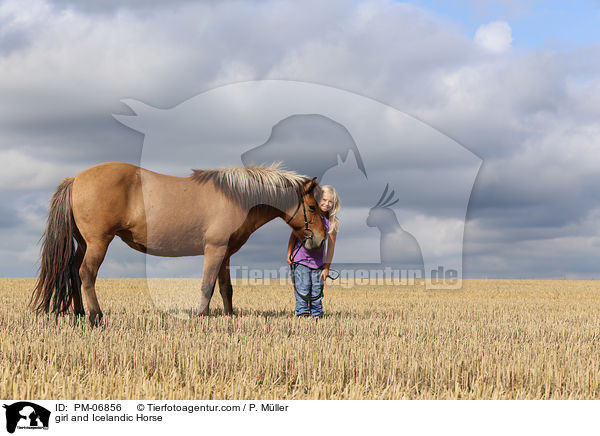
516,84
535,24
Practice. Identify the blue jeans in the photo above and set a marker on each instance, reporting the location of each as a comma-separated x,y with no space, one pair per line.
308,290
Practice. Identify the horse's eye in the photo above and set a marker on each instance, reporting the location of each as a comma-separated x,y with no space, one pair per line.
312,208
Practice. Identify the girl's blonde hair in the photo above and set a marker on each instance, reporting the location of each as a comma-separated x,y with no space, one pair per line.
335,209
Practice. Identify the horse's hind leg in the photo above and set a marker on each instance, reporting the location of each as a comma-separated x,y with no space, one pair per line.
94,255
225,287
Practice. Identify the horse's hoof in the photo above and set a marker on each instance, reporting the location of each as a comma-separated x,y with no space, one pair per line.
95,319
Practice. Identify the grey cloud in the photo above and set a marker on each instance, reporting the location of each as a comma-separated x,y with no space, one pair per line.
9,217
11,41
513,110
111,6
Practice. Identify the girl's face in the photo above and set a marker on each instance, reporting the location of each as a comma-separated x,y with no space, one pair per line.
326,202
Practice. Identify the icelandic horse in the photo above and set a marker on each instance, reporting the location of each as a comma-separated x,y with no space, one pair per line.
211,212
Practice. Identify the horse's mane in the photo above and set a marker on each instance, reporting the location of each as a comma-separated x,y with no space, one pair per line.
253,185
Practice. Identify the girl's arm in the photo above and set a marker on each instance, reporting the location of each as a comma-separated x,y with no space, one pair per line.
329,257
290,248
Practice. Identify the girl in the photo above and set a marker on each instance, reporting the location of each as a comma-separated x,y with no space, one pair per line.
311,267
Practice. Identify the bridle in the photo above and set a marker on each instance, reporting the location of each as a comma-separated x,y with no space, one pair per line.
308,234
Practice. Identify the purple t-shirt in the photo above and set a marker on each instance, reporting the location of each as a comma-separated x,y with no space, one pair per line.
311,258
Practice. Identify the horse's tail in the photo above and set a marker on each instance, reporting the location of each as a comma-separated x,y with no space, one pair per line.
59,278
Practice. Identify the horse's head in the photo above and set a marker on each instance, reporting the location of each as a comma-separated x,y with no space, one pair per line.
305,217
381,212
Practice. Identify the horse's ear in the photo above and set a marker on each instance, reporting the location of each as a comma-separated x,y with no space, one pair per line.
311,185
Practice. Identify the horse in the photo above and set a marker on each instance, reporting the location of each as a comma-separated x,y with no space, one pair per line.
211,212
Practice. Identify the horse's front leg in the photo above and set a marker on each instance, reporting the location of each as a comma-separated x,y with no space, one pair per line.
225,287
213,258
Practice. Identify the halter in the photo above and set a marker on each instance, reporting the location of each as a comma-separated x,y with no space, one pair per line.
306,229
308,298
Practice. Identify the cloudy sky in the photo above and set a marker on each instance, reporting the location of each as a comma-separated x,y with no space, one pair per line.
515,83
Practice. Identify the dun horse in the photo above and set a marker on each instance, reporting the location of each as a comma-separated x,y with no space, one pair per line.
211,212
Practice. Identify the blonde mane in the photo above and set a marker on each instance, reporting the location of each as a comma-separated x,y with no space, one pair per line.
254,185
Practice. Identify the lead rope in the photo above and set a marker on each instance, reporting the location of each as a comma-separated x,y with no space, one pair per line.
308,298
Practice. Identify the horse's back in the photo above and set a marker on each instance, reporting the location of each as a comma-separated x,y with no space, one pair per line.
152,212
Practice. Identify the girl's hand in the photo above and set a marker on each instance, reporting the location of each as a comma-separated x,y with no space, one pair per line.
324,273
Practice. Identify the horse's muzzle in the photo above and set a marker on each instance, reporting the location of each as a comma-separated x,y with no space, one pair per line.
312,244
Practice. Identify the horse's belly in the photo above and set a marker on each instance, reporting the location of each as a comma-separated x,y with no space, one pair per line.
173,226
174,242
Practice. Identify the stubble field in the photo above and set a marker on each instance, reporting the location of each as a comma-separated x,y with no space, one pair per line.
494,339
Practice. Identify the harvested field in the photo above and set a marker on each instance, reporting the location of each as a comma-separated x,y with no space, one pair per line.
494,339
